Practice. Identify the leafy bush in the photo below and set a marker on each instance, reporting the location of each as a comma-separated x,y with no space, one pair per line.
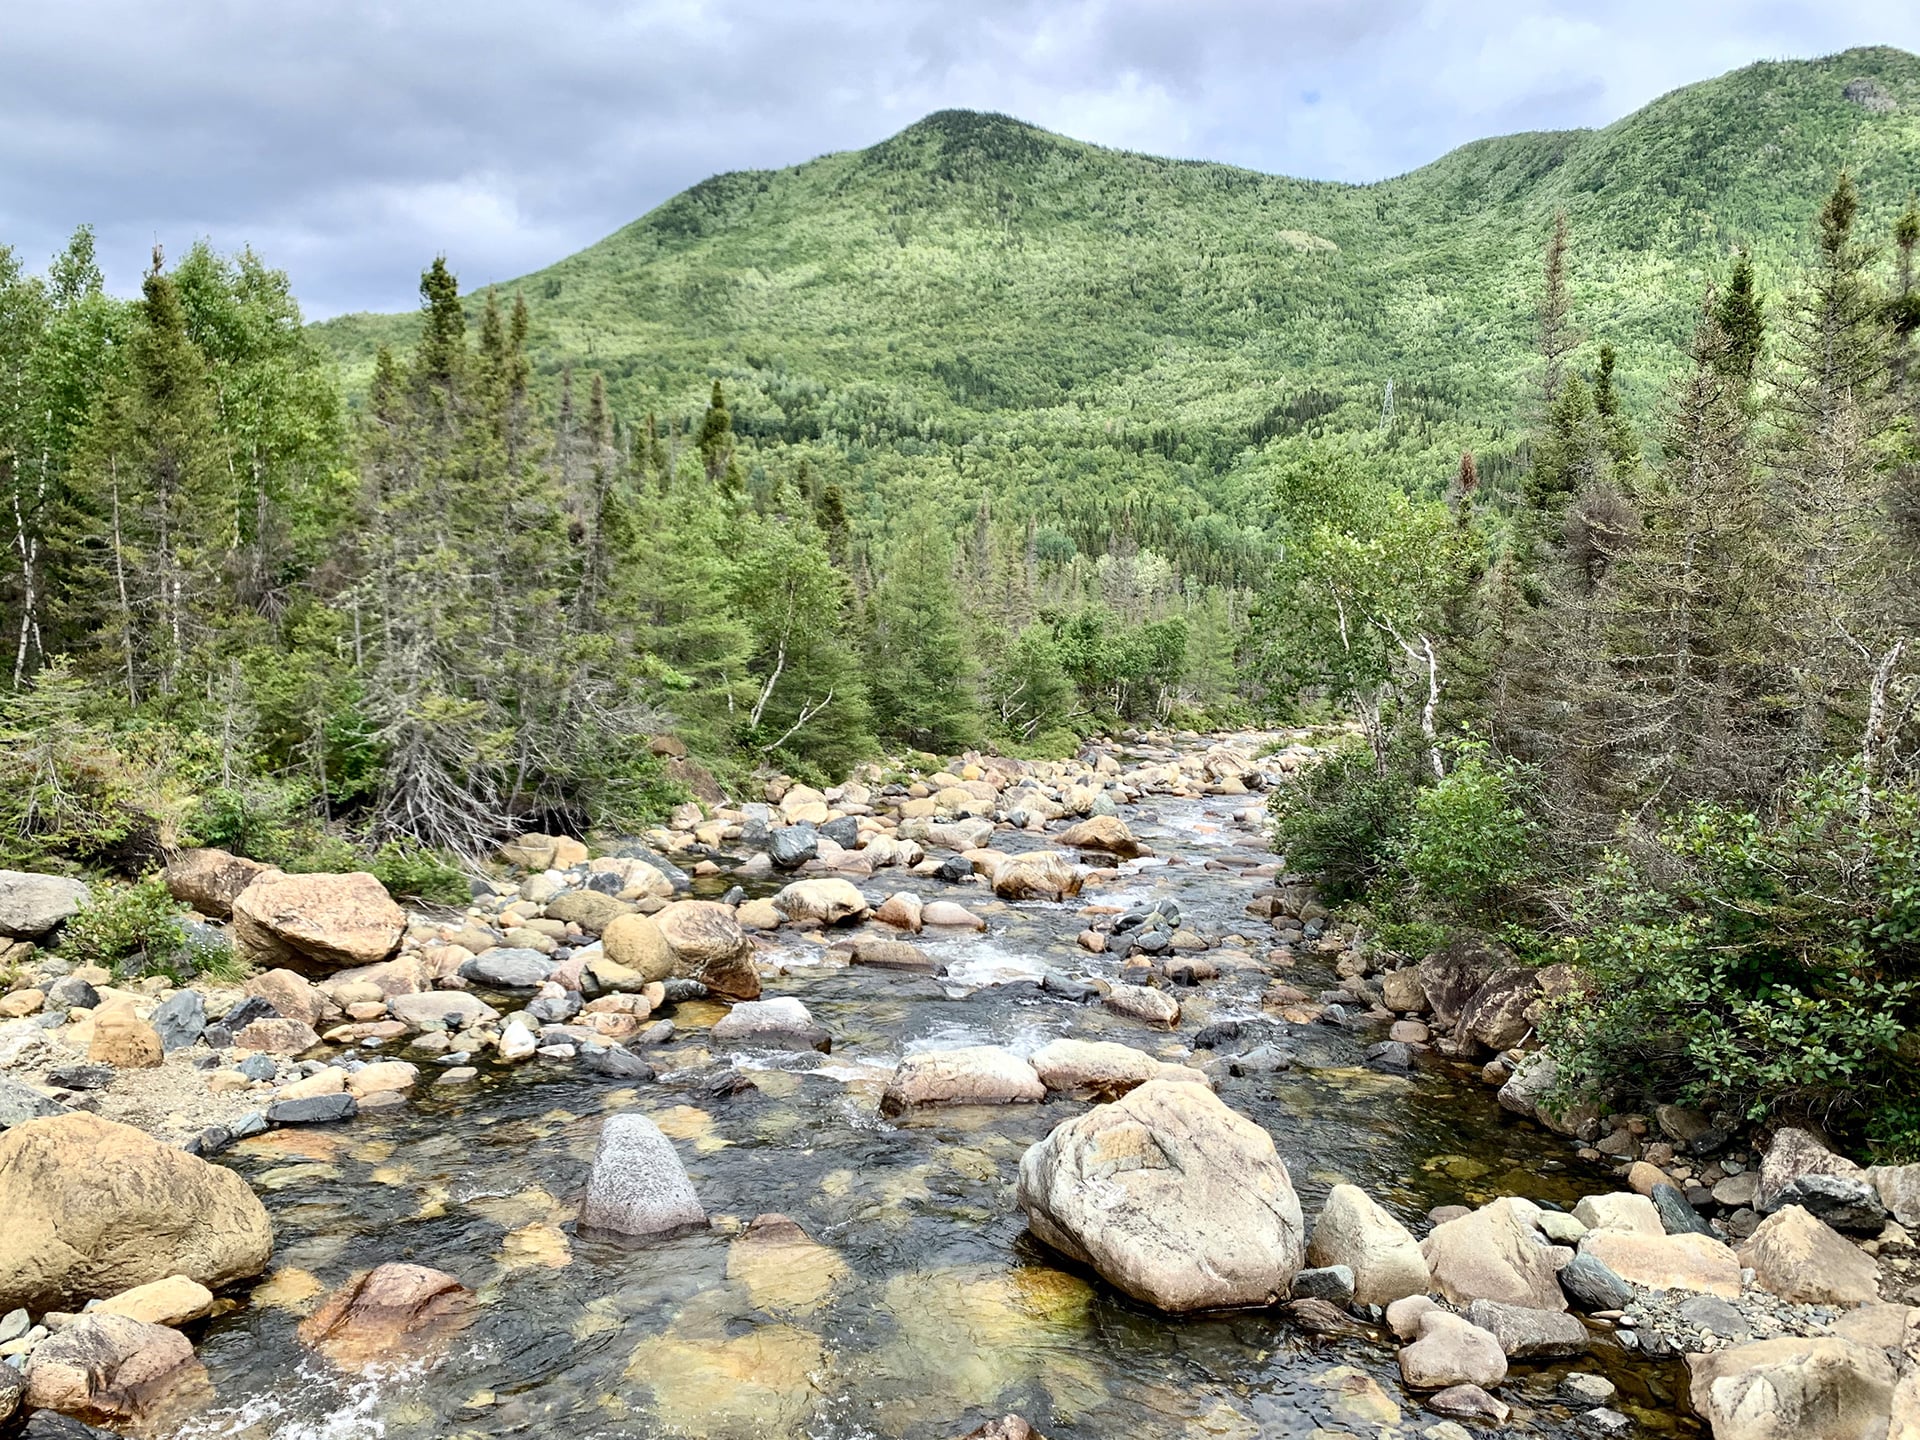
266,820
1342,819
1469,842
1760,962
130,929
408,870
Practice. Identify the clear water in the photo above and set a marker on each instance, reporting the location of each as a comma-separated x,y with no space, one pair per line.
923,1309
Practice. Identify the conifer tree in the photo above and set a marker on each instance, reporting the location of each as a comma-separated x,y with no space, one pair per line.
919,672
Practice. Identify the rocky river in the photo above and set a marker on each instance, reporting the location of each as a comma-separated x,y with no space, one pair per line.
865,1269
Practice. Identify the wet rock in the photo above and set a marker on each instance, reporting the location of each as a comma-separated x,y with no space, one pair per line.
821,902
389,1313
1667,1262
1100,1066
896,955
1353,1231
1494,1253
970,1075
1401,991
175,1300
1591,1286
1104,832
109,1367
1171,1196
588,909
34,905
782,1023
638,1185
1156,1007
1528,1334
1067,988
94,1208
313,1110
791,846
1320,1317
634,944
1331,1283
317,923
1007,1427
709,946
1801,1259
508,968
1449,1351
1466,1402
901,910
1037,875
211,880
1793,1389
1390,1055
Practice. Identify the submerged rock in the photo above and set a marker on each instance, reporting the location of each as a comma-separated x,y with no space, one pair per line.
393,1311
969,1075
779,1024
1172,1197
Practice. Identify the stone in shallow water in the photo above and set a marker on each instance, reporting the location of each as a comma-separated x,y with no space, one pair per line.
638,1185
704,1382
393,1311
1332,1283
970,1075
786,1273
782,1023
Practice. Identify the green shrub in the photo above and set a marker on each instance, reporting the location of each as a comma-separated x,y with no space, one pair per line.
412,871
1760,962
1468,845
1341,820
130,929
266,820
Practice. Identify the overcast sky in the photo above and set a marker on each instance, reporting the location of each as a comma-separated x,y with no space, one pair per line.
351,140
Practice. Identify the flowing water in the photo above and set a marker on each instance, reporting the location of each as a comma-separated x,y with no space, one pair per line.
922,1308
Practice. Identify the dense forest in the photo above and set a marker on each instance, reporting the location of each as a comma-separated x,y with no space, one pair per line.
1618,578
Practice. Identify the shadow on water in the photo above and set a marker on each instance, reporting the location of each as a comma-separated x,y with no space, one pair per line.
919,1307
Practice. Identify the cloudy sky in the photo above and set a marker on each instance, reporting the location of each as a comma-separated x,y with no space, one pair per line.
350,140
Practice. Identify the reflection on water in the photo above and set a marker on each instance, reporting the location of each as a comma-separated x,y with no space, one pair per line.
906,1300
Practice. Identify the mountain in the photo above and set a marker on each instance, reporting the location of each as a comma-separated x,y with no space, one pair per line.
977,307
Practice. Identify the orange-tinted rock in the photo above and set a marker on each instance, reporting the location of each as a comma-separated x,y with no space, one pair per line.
393,1311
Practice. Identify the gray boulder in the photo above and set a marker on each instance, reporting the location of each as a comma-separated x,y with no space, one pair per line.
33,905
1591,1285
508,967
782,1023
19,1102
1846,1202
791,846
179,1019
638,1185
1528,1334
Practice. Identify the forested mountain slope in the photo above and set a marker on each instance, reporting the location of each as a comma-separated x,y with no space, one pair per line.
976,306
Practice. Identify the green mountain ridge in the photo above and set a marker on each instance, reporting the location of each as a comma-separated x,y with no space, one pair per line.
977,307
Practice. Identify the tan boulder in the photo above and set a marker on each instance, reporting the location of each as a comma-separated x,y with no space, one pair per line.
1795,1388
1103,1067
821,902
1802,1259
901,910
317,923
111,1367
1156,1007
294,996
635,944
1666,1262
210,880
94,1208
175,1300
382,1076
588,909
1104,832
1354,1231
1494,1253
277,1036
1450,1350
760,914
391,1312
708,945
402,975
947,914
970,1075
1171,1197
122,1039
1037,875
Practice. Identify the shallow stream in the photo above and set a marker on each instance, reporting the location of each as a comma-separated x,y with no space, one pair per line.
923,1308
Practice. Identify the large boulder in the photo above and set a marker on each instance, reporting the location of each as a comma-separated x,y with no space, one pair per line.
1528,1334
634,943
1171,1197
588,909
33,905
1453,975
19,1103
1494,1253
708,945
1104,832
969,1075
93,1208
317,923
821,902
1449,1350
292,996
110,1367
1794,1153
391,1312
1355,1232
782,1023
122,1039
1102,1067
211,880
1037,875
1802,1259
441,1010
1666,1262
1496,1013
1795,1388
638,1185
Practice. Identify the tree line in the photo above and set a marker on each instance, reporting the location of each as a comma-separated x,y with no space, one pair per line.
1659,713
